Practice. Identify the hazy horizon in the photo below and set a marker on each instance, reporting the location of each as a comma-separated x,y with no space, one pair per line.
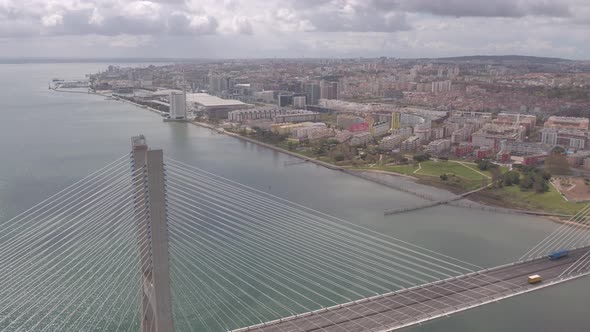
293,28
42,59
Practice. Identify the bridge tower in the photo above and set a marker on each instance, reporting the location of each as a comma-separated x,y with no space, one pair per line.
152,237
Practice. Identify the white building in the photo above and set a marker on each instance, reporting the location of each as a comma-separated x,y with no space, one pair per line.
391,142
438,146
412,143
406,131
309,130
360,138
299,102
343,136
380,129
178,105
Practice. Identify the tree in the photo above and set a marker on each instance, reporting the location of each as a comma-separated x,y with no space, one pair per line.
526,182
557,164
558,150
444,177
291,146
511,177
485,165
421,157
496,176
540,185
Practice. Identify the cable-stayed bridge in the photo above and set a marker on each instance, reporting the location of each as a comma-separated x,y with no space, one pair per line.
150,243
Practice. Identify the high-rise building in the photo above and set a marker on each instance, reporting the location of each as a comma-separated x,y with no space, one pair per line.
564,122
285,99
220,83
299,101
178,105
329,90
441,86
312,91
396,120
567,138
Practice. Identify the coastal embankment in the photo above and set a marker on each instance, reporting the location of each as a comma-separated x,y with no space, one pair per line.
433,196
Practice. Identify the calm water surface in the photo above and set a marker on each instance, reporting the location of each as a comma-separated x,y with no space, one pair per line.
49,140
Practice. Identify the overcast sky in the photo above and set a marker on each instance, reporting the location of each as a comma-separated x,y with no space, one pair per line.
293,28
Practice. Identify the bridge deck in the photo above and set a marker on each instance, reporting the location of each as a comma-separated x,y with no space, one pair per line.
407,307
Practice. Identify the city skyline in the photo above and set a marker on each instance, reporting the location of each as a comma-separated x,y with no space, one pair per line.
255,29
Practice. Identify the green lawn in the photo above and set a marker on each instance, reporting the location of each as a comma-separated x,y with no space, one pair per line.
403,169
434,168
550,201
473,166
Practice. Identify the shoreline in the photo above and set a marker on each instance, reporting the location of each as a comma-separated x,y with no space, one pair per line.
453,200
359,173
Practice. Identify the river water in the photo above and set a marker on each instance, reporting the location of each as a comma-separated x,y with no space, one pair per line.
49,140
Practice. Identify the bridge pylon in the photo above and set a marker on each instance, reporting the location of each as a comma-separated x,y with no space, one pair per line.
152,237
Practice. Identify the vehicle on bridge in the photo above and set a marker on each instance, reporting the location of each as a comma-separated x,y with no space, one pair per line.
558,254
535,278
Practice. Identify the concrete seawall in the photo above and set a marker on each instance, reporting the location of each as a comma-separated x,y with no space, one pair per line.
270,146
449,199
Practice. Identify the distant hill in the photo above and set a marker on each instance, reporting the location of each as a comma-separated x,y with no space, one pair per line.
504,58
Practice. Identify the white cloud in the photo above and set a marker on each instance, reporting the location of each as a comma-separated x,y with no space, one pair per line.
129,41
307,27
52,20
142,9
96,18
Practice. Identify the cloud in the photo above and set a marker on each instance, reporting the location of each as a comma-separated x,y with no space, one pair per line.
129,41
302,27
242,25
495,8
52,20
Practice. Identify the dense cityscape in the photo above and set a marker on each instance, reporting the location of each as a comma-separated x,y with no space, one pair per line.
463,123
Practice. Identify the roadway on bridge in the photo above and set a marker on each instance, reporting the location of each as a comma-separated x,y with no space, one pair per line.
407,307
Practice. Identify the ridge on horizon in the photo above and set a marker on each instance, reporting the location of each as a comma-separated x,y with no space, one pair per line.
507,57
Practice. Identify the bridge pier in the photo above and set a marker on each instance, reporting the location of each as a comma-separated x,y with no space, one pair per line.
152,232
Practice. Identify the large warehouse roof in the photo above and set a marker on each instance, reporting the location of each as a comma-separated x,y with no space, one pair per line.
208,100
164,92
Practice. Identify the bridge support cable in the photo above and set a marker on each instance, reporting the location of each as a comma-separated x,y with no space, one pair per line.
579,233
183,302
218,207
83,226
419,280
45,224
273,214
257,288
25,218
225,198
88,234
319,222
224,243
58,248
244,272
92,304
567,233
571,234
374,235
67,260
284,258
205,255
273,245
75,279
578,265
